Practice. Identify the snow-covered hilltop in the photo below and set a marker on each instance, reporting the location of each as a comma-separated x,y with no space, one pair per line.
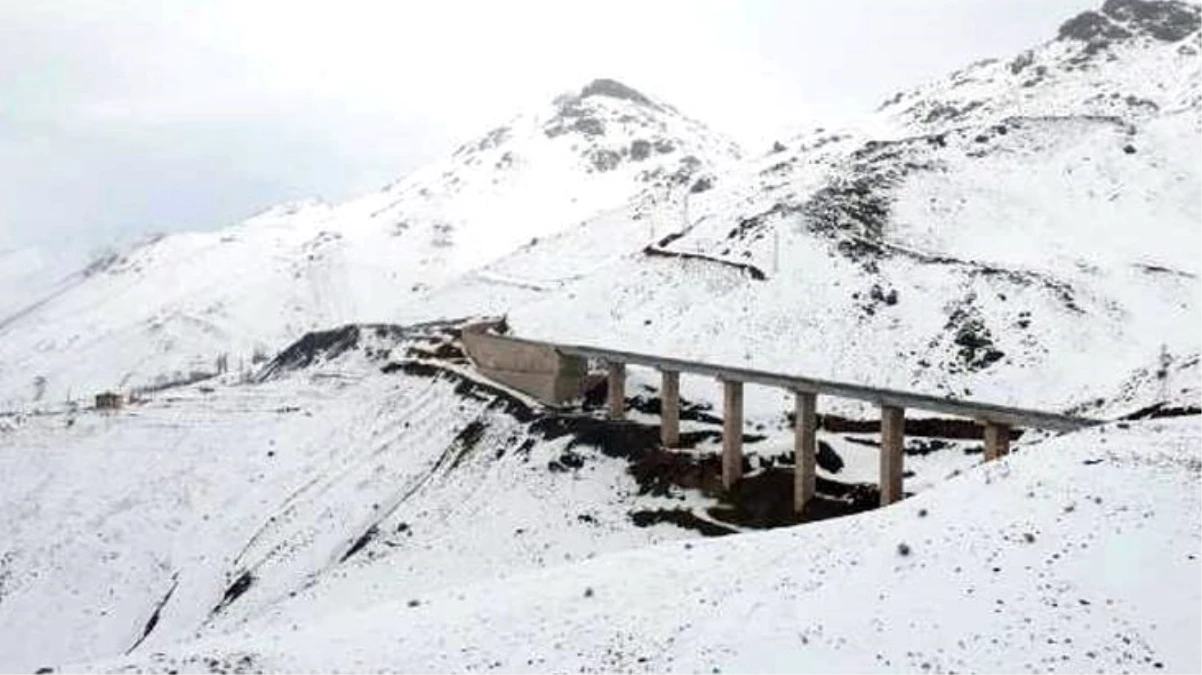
999,253
1131,59
1023,231
166,310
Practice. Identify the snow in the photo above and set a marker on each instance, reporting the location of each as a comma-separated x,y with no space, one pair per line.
171,306
1038,562
1024,231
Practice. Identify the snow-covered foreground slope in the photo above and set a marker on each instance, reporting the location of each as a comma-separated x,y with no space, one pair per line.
330,482
167,309
1079,554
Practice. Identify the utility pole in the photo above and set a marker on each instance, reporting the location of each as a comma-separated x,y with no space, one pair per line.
1163,374
776,250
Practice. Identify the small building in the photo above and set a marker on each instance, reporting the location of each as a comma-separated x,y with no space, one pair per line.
108,401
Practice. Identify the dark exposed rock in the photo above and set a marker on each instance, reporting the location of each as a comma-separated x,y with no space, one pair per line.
1168,21
702,184
974,339
589,126
605,160
1090,26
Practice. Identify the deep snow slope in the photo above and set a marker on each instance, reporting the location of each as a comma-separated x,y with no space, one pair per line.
167,309
217,502
361,463
1079,554
1037,250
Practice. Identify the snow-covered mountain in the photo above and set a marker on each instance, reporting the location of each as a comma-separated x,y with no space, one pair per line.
365,500
1131,59
999,253
168,309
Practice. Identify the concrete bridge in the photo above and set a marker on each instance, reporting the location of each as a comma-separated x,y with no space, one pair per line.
556,373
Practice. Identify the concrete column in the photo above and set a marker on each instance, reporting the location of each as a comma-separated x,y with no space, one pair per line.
893,422
669,416
616,390
732,432
997,441
805,441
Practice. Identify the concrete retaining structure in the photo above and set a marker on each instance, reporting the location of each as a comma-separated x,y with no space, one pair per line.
535,369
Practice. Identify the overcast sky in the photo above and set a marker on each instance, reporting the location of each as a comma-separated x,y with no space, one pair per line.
123,118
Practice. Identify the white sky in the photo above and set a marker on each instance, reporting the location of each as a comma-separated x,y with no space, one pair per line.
117,119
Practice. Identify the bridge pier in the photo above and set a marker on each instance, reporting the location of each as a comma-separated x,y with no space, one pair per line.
804,449
997,441
669,416
732,432
616,390
893,424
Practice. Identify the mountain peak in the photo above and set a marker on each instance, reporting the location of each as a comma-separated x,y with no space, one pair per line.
1165,20
614,89
570,104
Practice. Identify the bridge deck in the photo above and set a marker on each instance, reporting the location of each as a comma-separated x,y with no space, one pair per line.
981,411
997,419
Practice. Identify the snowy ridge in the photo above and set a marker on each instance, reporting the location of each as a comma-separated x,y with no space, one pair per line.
1131,59
168,309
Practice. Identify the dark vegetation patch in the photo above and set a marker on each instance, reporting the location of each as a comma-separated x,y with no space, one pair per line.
765,500
1162,410
319,346
234,591
1092,26
974,341
153,621
925,446
702,185
654,405
681,518
567,461
311,347
465,441
1166,21
876,297
948,428
1157,269
359,543
825,458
